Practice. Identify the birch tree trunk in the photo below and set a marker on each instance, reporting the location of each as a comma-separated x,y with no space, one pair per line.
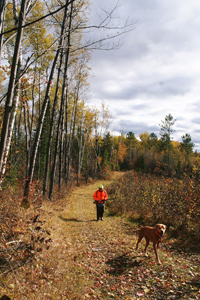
26,117
81,147
62,96
53,170
11,103
72,132
80,156
52,125
38,134
61,149
60,121
2,16
42,115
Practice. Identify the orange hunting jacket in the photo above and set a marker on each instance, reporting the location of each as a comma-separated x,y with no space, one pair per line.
100,196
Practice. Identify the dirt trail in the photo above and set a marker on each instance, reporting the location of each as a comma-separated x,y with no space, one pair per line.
97,260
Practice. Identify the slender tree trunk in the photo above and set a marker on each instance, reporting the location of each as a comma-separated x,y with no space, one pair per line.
96,166
68,146
38,134
49,143
53,171
60,121
81,147
11,103
61,116
64,96
61,149
80,158
66,140
51,128
26,116
55,100
2,16
72,131
42,115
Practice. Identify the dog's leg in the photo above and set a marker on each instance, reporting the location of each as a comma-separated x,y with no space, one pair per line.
156,253
147,244
139,239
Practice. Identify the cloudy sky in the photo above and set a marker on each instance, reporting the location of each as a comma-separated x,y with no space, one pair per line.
155,72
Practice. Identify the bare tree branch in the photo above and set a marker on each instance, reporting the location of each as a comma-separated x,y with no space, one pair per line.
35,21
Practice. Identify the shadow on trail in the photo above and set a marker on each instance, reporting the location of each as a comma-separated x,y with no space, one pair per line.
131,229
122,263
75,220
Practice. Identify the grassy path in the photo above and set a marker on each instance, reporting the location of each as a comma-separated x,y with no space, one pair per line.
97,260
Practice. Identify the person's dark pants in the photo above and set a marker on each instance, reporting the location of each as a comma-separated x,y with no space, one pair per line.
100,211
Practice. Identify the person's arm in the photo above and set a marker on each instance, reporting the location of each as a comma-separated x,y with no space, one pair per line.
105,195
95,196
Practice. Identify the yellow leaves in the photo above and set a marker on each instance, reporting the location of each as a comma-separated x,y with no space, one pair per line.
176,145
144,136
2,78
122,148
36,37
10,23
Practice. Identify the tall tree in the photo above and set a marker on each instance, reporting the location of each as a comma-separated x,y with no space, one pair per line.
187,145
107,150
153,141
166,134
2,16
145,140
11,104
43,112
131,142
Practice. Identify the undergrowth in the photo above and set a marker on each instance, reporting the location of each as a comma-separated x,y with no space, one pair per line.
151,199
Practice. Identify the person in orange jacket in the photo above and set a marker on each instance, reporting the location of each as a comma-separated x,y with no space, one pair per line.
100,196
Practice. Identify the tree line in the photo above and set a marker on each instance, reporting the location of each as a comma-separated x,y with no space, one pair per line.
48,132
160,155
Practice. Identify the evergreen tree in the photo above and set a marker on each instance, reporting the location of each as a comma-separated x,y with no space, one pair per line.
187,145
166,136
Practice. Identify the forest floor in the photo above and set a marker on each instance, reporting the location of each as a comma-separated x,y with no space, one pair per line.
87,259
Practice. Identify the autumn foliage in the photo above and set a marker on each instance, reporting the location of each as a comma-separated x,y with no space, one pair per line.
152,199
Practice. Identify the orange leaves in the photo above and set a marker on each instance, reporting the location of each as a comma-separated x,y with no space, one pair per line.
156,198
122,149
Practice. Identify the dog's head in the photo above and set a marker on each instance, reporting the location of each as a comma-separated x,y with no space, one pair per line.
161,228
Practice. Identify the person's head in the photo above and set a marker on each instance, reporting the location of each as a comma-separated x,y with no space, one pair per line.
101,187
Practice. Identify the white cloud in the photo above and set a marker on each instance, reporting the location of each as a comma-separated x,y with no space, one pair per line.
156,71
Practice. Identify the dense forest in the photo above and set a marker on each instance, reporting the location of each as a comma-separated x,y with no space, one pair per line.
50,137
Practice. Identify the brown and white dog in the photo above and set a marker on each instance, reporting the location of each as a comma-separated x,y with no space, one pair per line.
152,234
